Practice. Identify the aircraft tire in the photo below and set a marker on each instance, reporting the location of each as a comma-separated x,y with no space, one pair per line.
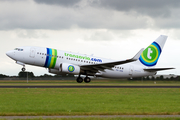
23,69
87,79
79,80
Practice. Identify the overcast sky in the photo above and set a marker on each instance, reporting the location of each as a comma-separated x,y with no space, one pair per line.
115,29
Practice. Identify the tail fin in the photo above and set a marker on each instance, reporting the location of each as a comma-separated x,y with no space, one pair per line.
151,54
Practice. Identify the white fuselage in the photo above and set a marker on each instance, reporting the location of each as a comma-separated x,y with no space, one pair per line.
39,56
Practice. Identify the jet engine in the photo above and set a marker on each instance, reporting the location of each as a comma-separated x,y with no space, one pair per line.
69,68
66,68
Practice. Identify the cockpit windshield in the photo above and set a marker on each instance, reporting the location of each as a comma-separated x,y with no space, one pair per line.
18,49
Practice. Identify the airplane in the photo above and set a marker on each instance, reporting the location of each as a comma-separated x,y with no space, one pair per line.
64,62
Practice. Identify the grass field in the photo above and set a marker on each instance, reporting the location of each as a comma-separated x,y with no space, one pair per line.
98,118
113,101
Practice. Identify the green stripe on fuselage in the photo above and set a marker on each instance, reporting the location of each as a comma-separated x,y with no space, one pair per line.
55,58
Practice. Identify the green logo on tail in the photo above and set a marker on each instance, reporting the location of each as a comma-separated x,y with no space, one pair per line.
150,55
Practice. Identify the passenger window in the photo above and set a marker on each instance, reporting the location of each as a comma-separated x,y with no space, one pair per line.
38,53
62,57
42,53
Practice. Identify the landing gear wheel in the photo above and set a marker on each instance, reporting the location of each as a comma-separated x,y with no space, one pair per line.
79,80
23,69
87,79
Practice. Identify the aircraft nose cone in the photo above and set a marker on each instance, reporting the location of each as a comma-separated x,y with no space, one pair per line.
9,54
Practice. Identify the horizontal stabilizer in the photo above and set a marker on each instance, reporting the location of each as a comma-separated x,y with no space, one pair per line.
157,69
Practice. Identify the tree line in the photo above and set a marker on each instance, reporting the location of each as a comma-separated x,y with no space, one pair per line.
30,75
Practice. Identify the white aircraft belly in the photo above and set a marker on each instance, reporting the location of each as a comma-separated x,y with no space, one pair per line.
115,73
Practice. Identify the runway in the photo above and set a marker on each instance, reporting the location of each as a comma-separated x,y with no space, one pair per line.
89,86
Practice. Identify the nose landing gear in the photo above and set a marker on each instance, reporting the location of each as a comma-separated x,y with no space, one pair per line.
23,64
23,69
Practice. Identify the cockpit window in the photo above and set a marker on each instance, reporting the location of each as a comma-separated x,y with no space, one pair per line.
18,49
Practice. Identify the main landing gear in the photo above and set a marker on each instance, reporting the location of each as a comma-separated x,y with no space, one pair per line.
79,80
86,79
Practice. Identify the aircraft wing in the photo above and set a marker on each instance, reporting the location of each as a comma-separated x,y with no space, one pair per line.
91,69
156,69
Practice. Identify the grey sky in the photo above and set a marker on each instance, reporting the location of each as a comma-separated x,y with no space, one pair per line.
69,3
158,8
90,14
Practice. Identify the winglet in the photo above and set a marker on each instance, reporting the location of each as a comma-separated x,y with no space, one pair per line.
136,57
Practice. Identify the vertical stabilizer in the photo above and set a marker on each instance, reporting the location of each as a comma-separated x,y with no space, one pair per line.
151,54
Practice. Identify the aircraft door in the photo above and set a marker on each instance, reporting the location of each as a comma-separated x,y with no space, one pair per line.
131,69
32,52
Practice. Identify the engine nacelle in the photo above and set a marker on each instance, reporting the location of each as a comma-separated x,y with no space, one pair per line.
69,68
66,68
